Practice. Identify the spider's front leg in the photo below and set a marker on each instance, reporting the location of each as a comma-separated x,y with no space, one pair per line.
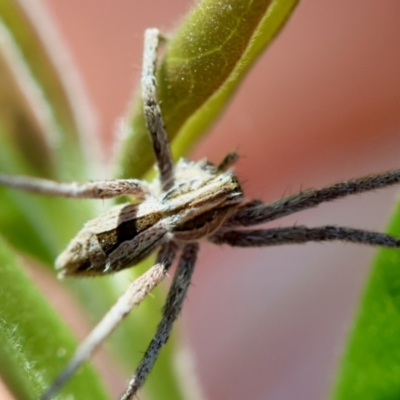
102,189
172,308
152,111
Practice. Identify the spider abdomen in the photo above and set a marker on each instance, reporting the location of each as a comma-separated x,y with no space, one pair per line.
118,239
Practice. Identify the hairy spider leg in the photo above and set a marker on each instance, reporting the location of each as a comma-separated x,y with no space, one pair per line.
152,111
257,212
172,308
302,234
101,189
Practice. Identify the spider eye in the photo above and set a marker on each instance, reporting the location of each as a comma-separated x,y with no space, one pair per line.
236,188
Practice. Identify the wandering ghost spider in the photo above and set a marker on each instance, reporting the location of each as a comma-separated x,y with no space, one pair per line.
187,203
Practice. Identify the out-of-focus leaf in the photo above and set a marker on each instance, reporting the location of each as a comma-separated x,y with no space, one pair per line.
22,130
43,97
204,63
370,368
35,344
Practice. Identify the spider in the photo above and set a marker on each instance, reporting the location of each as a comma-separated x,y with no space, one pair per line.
188,203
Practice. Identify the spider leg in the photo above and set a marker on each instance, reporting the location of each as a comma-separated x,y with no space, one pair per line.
256,212
152,111
302,234
171,310
134,295
104,189
228,161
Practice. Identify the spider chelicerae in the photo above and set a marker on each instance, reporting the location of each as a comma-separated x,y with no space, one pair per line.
187,203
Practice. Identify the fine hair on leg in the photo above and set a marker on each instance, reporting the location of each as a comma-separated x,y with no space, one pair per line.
302,234
103,189
172,308
152,111
257,212
133,296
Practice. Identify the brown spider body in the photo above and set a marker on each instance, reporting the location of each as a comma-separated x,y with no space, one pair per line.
201,198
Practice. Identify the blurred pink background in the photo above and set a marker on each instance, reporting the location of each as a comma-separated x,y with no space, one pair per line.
321,105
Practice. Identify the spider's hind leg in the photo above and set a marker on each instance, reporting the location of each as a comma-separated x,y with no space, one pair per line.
172,308
152,111
257,212
302,234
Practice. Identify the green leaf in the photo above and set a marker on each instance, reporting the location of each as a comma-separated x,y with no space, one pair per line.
205,61
42,96
370,368
34,343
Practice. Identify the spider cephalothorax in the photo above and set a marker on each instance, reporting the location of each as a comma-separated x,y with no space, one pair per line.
187,203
